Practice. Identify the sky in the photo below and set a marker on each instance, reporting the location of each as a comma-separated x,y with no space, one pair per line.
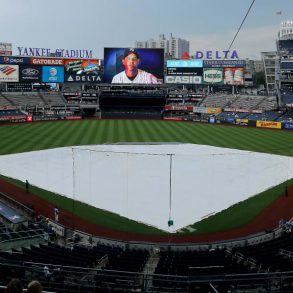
95,24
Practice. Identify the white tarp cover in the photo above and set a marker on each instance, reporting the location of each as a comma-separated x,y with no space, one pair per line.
134,180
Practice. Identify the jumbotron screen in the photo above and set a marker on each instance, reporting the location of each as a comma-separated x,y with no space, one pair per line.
184,71
132,65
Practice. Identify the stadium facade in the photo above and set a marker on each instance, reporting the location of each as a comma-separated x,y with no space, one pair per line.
284,80
278,66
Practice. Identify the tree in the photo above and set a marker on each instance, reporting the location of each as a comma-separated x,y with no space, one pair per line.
259,78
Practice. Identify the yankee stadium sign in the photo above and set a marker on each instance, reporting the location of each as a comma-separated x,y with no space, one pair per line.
62,53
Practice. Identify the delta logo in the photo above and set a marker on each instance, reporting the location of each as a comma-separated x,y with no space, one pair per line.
7,70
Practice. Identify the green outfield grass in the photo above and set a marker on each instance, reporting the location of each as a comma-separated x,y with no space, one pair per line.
43,135
36,136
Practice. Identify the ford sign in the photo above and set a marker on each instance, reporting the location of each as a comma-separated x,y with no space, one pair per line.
30,72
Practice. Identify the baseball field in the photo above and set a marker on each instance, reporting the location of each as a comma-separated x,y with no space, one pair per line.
16,138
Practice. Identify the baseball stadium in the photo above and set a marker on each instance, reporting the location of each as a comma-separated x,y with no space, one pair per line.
176,179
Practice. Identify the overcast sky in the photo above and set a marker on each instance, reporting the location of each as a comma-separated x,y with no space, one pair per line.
95,24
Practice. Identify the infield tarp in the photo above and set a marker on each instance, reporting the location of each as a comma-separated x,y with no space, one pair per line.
134,180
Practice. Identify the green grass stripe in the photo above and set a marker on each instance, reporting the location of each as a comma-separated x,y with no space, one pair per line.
159,133
53,136
34,136
102,132
139,130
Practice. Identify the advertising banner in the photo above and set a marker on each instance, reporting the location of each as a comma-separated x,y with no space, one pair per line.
207,110
47,61
202,110
173,118
71,94
179,108
286,66
184,71
287,125
211,110
13,118
269,124
212,76
239,110
82,70
82,78
184,63
5,53
230,119
89,95
241,121
29,73
223,63
131,65
9,73
82,66
234,76
183,79
14,60
52,74
72,117
5,49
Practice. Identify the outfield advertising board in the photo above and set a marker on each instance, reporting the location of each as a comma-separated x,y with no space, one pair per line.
287,125
269,124
207,110
149,62
53,74
242,121
30,73
9,73
179,108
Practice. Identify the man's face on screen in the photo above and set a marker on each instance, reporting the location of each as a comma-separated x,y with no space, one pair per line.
130,62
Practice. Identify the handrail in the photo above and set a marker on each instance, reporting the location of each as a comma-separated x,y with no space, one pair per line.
21,238
24,290
27,209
